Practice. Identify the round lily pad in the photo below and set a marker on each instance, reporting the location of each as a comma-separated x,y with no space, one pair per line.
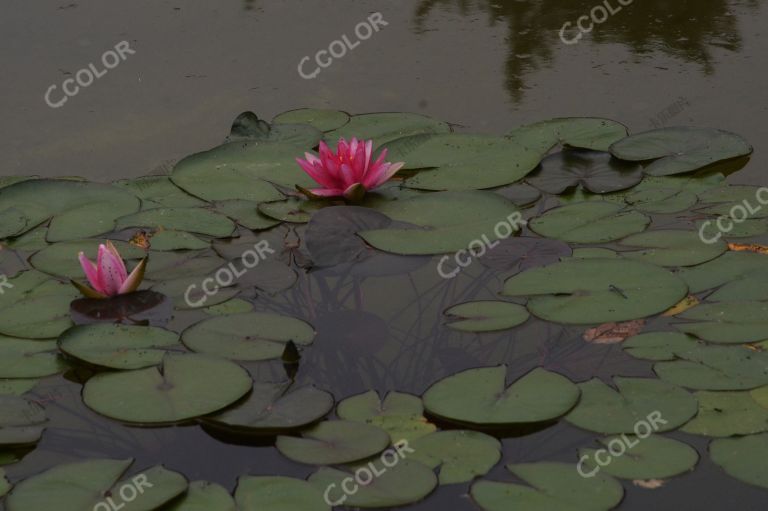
549,486
406,482
28,358
177,240
637,405
334,442
196,220
60,259
727,322
486,316
460,455
37,317
672,247
583,132
196,291
658,345
87,484
652,457
585,291
204,496
117,346
750,287
248,126
246,213
159,192
595,171
276,493
17,386
275,406
249,336
288,210
399,414
727,414
186,386
716,368
21,421
743,458
727,268
387,126
320,118
481,397
680,149
589,222
661,200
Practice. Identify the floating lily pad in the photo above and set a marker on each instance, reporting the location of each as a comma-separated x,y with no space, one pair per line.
672,248
584,291
37,317
275,406
727,414
594,253
248,126
486,316
5,486
726,268
404,483
652,457
246,213
86,484
658,345
320,118
595,171
444,222
28,358
461,455
716,368
250,336
520,253
680,149
204,496
197,220
60,259
12,222
399,414
177,240
660,405
550,486
193,292
288,210
387,126
582,132
331,236
334,442
661,200
186,386
234,306
117,346
750,287
21,421
743,458
727,228
481,397
159,192
727,322
275,493
140,306
17,386
589,222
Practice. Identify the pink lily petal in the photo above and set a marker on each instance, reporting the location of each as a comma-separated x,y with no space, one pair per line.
109,272
328,192
386,172
90,272
118,260
131,283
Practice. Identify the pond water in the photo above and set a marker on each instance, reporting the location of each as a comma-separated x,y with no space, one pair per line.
187,69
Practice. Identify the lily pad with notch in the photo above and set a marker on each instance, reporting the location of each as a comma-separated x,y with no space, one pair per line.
194,220
743,458
658,345
732,322
594,171
485,316
661,200
399,414
322,119
248,126
672,247
461,455
387,126
204,496
581,132
723,414
334,442
650,457
716,368
260,493
589,222
22,422
29,358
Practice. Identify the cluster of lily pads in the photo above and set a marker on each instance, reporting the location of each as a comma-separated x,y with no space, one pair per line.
612,237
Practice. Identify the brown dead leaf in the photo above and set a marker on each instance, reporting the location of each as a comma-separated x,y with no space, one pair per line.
683,305
140,239
743,247
649,484
611,333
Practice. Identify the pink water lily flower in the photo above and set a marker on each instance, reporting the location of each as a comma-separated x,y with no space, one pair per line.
109,277
348,172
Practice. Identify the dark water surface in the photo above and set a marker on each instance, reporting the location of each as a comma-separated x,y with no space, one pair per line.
486,66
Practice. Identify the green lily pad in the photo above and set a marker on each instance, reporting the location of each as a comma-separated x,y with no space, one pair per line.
177,240
711,230
550,486
582,132
595,171
387,126
12,222
724,414
204,496
728,267
334,442
275,406
486,316
652,457
594,253
17,386
248,126
288,210
87,484
234,306
672,248
444,222
189,293
28,358
276,493
246,213
461,455
760,395
196,220
750,287
60,259
680,149
186,386
661,200
716,368
727,322
589,222
242,170
250,336
658,345
399,414
37,317
640,403
117,346
320,118
159,192
743,458
22,422
5,486
585,291
404,483
480,397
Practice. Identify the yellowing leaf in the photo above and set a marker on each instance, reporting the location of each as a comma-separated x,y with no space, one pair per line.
686,303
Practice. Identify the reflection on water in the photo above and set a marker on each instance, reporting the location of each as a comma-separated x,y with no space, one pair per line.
691,30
